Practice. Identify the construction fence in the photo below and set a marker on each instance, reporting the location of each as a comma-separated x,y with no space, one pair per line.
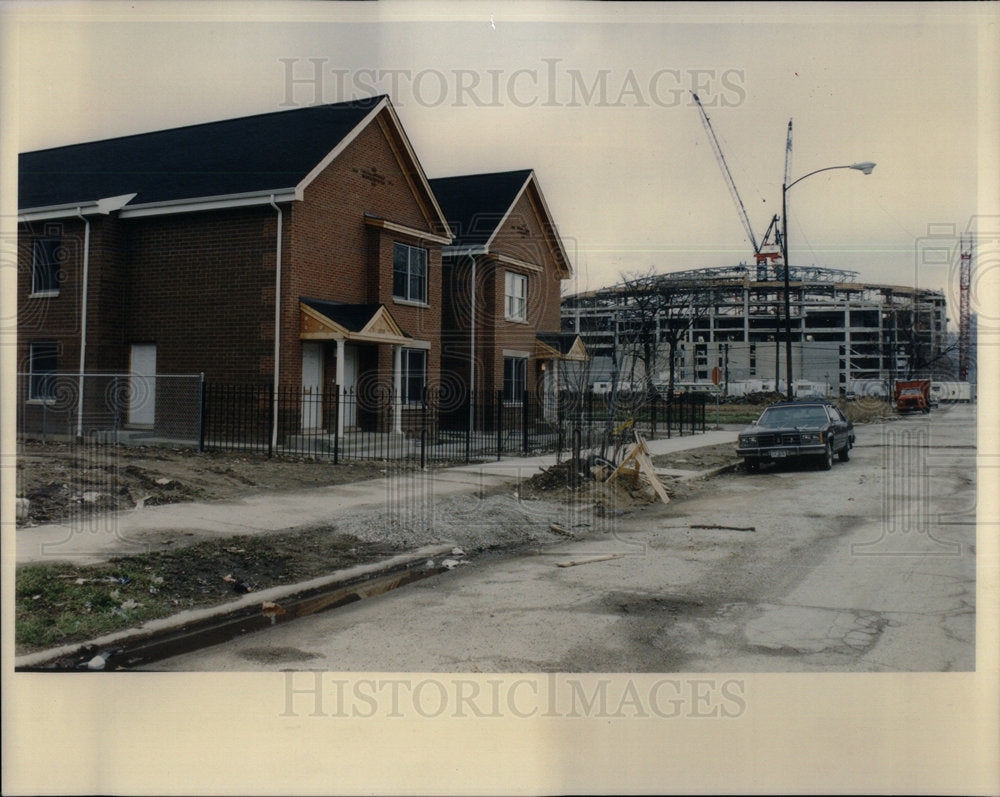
341,424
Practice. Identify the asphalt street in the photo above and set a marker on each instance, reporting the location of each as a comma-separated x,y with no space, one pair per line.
867,567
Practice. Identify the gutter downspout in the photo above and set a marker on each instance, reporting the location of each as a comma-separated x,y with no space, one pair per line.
83,321
277,330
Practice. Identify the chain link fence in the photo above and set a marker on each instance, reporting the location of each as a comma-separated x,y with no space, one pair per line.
111,407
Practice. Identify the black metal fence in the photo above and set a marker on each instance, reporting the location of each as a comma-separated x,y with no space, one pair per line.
344,424
340,424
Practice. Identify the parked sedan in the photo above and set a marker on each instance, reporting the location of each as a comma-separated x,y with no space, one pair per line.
813,429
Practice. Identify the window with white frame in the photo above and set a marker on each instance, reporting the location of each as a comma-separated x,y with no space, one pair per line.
413,363
515,370
42,368
515,297
45,257
409,273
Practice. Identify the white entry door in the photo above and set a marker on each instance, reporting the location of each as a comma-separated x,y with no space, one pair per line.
312,385
142,385
350,387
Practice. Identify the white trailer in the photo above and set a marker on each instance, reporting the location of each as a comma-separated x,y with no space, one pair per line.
952,391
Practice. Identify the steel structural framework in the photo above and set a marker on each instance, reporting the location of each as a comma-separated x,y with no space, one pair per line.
880,331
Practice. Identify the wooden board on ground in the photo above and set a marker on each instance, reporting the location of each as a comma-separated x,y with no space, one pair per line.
589,560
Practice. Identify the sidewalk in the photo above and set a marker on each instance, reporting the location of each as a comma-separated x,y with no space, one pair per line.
88,540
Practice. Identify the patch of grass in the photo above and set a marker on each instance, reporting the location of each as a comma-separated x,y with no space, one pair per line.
60,602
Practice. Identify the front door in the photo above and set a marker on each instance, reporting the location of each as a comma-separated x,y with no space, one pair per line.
142,385
312,385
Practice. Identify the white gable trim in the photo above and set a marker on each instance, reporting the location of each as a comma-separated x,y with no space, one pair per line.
510,209
560,251
333,154
446,230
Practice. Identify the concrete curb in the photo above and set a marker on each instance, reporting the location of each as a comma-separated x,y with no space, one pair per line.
169,636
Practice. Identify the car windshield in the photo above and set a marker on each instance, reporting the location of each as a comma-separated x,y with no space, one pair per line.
777,417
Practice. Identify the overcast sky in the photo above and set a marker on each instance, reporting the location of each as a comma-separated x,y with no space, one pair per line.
592,96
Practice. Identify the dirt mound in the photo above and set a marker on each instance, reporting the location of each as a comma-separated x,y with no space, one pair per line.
569,474
556,483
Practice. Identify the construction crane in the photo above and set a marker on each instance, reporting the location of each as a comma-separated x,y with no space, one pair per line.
730,184
964,286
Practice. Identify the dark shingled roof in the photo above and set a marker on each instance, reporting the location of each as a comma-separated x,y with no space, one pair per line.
252,153
475,204
352,317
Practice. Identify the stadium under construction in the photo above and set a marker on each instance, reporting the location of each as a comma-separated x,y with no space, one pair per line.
726,325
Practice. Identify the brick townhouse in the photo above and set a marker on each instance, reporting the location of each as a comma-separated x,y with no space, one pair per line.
502,275
300,249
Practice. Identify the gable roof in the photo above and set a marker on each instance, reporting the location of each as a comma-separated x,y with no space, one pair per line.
477,205
563,345
322,320
248,160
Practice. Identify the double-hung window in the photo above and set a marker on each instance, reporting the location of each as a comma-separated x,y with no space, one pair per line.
514,378
414,375
46,254
42,368
409,273
515,297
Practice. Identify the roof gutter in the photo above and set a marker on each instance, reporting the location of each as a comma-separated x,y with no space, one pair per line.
102,206
277,328
83,321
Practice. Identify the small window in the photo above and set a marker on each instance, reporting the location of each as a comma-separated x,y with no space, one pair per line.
409,273
515,371
516,297
414,375
41,380
46,254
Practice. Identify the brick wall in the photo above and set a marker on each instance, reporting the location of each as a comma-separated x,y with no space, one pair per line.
522,237
339,258
201,287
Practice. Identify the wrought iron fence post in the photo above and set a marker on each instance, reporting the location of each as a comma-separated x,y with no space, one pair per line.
575,463
336,423
652,415
524,422
559,429
423,430
499,424
468,426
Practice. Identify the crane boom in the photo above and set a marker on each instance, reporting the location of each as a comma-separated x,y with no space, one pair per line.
730,183
788,155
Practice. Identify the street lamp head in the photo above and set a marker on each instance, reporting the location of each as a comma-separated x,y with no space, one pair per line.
865,167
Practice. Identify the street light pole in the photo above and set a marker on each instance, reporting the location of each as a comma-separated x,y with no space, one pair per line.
866,168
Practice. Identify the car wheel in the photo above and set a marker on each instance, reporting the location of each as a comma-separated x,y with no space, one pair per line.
845,453
751,465
827,461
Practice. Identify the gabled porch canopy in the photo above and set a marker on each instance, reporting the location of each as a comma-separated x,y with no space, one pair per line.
557,346
358,323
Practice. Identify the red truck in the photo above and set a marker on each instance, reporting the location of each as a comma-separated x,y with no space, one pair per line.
912,395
